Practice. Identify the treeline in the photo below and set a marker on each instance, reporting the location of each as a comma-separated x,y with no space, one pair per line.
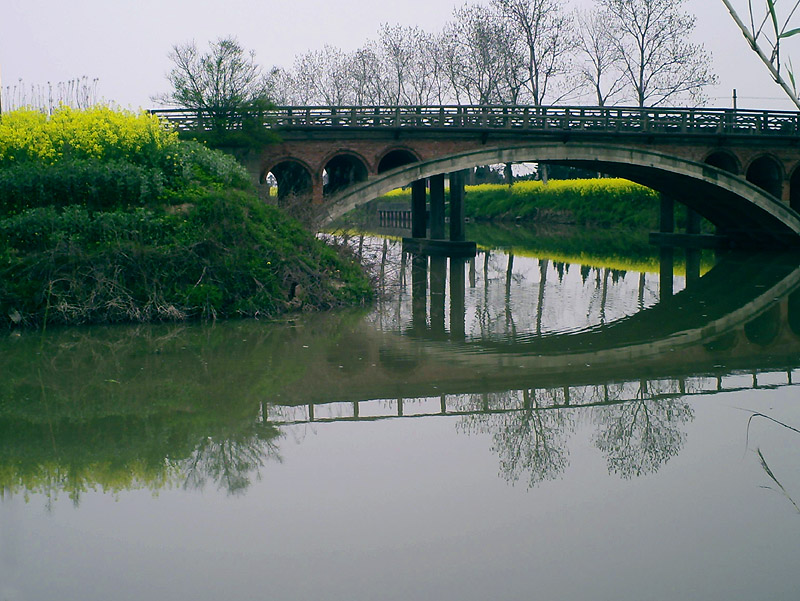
513,52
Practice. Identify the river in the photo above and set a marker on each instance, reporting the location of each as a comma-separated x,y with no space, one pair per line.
532,424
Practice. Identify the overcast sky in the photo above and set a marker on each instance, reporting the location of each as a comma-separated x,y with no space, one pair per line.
124,43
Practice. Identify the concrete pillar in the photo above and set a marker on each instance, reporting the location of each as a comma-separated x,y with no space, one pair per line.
457,215
419,293
667,221
666,271
419,209
692,222
437,207
438,286
692,266
457,304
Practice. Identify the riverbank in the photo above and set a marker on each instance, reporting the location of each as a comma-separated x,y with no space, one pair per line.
106,216
603,202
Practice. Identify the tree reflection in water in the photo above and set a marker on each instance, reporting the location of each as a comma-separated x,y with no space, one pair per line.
231,459
174,406
636,436
531,443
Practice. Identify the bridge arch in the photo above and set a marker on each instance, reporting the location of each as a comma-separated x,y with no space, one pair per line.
342,169
766,172
396,157
293,176
743,209
725,160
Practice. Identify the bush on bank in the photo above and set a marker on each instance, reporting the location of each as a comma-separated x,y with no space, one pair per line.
151,229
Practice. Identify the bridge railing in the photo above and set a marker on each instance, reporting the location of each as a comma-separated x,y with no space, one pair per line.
652,120
514,401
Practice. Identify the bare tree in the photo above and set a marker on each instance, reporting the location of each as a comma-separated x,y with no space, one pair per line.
280,86
448,53
368,78
546,33
220,80
599,71
424,84
323,77
477,42
659,62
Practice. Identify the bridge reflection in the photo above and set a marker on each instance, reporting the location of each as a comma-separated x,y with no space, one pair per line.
153,406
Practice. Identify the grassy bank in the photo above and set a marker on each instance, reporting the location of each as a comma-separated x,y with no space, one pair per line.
595,247
106,216
606,202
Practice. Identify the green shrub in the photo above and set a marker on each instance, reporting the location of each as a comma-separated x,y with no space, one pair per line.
228,255
105,216
93,183
195,164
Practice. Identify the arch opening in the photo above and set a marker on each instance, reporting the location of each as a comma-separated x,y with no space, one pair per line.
722,159
396,158
794,190
292,179
341,171
766,173
764,329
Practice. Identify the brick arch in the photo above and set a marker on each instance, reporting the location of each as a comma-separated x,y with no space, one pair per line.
294,177
767,172
724,159
392,150
344,168
370,167
285,159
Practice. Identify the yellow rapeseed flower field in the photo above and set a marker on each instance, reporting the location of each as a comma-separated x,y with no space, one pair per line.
99,132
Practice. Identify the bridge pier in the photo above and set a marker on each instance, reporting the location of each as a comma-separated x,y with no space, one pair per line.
438,275
666,286
429,293
693,238
458,217
667,216
437,243
419,209
458,312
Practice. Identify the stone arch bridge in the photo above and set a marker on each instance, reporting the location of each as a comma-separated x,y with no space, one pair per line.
740,169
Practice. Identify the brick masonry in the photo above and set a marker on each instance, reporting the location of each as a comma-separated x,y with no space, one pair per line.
314,150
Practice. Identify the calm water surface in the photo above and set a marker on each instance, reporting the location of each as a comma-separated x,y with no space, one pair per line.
520,426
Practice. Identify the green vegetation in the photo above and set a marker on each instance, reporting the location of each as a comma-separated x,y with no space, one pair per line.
594,247
106,216
602,202
151,406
